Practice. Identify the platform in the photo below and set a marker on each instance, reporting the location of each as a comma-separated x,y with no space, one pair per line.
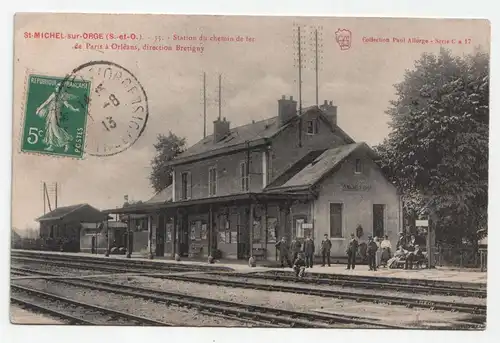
438,274
21,316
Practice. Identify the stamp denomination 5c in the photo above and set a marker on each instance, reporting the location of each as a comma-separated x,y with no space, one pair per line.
55,121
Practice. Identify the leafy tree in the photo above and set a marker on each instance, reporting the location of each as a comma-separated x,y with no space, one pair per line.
167,147
437,152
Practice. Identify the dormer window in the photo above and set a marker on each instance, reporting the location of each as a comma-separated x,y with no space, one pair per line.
357,166
312,127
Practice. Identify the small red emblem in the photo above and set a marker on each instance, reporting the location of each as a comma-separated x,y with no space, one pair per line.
343,38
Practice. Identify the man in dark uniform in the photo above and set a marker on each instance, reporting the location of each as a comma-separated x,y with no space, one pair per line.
352,249
410,247
401,241
371,252
295,247
283,251
309,251
326,247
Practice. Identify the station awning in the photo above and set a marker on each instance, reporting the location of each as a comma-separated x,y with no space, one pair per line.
145,208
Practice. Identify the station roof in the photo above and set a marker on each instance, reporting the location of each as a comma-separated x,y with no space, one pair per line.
245,136
146,208
315,166
74,213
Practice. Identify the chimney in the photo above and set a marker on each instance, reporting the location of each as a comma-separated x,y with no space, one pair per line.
330,111
287,109
221,129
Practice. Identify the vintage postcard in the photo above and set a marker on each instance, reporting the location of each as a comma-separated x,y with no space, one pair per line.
180,170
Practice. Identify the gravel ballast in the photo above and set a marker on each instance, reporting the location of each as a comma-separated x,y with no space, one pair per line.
288,301
172,314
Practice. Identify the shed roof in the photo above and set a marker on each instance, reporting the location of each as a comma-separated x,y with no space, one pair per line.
313,172
165,195
75,213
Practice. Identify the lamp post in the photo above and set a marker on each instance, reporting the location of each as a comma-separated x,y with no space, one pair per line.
107,237
150,229
129,253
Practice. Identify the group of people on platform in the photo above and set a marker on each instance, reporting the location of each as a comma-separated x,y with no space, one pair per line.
302,255
378,252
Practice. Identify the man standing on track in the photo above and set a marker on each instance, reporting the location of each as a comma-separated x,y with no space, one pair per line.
309,251
352,249
326,247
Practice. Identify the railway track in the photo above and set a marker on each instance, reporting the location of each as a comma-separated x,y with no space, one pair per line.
325,277
378,298
79,265
115,262
261,315
39,301
358,281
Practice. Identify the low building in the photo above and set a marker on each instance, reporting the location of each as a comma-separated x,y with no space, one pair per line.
61,228
238,191
97,238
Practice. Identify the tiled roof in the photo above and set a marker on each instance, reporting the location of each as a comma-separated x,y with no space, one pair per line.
314,171
60,212
247,133
80,213
252,134
165,195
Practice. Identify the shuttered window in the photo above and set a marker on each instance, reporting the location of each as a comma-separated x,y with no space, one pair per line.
336,220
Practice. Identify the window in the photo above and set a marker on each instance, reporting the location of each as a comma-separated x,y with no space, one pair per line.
313,126
212,181
299,230
378,220
184,185
357,167
336,220
243,177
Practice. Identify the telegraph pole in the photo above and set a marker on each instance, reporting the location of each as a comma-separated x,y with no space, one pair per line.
316,63
204,105
56,194
220,95
300,85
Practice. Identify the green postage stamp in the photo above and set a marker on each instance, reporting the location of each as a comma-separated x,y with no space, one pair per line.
55,116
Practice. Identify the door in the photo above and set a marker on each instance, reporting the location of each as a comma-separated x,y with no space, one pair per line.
243,236
184,236
160,236
378,220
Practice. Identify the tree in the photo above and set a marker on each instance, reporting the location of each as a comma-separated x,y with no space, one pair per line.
437,151
167,147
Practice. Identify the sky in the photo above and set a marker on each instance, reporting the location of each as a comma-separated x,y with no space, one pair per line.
255,74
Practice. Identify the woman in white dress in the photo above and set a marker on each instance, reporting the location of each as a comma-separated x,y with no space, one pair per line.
55,135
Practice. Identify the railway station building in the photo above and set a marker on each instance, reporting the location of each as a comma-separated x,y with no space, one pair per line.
238,191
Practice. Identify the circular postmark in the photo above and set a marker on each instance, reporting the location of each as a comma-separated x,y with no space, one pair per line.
116,107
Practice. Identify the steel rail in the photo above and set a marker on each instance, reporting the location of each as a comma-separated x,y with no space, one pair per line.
39,308
378,298
107,311
366,283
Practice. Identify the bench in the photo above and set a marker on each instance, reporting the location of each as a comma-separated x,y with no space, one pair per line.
259,253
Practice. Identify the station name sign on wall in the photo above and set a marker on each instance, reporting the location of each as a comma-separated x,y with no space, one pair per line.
356,187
